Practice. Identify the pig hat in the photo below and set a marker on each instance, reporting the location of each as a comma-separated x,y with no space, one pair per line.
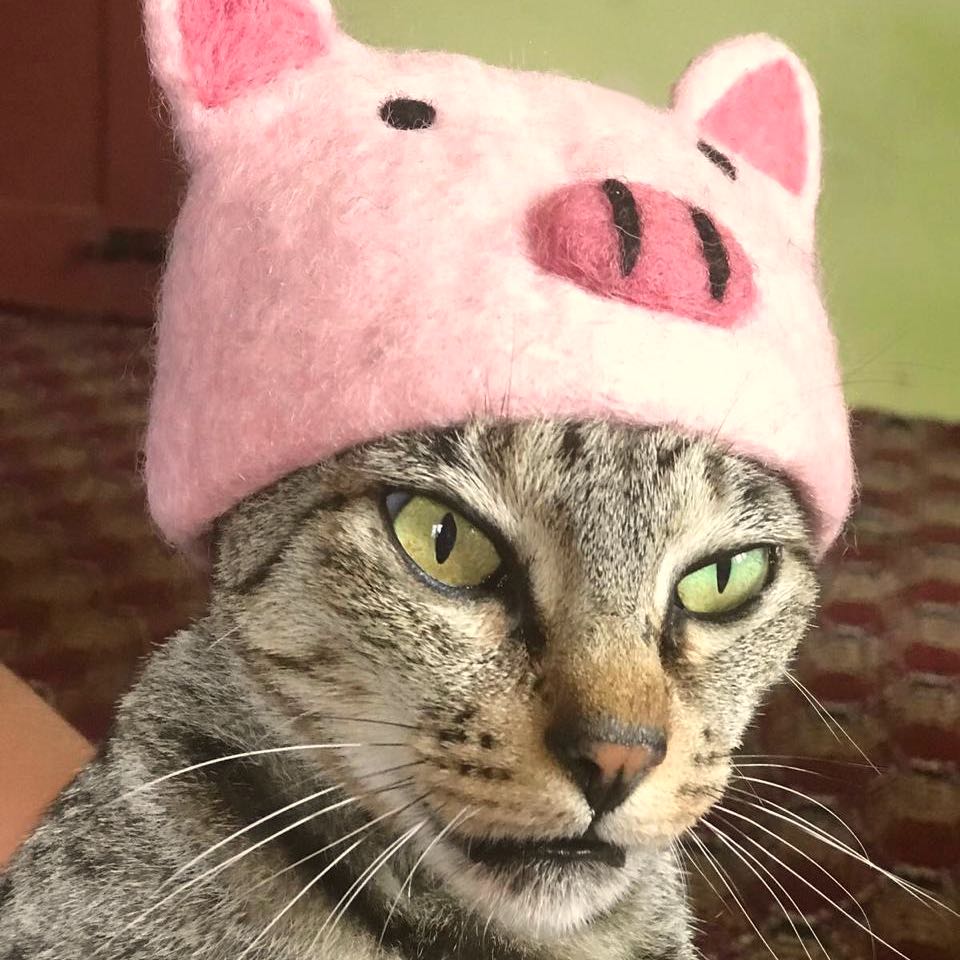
375,241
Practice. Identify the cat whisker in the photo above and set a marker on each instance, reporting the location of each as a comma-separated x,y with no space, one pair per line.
296,899
239,833
486,926
241,756
792,756
866,928
803,796
334,843
696,866
459,818
712,860
831,723
682,873
784,766
384,723
220,867
231,632
728,883
383,773
223,865
682,861
748,859
795,820
355,889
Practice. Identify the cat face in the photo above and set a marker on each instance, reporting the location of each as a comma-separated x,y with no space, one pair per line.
519,611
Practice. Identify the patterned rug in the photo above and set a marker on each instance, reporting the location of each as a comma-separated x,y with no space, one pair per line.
87,588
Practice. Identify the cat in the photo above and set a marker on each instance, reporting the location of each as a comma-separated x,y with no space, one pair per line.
458,693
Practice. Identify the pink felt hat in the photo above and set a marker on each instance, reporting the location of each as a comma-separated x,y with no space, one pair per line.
376,241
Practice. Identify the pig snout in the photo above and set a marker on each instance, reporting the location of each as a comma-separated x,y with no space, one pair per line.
634,243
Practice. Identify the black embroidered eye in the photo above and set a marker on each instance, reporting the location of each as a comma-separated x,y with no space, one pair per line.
719,159
404,114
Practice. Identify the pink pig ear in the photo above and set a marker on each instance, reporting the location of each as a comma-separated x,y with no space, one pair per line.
753,98
207,53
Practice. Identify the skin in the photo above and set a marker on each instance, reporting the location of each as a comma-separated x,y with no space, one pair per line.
39,774
321,631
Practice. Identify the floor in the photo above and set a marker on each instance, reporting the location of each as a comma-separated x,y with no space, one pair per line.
87,590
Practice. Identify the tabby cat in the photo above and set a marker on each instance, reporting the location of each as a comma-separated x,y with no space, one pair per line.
458,694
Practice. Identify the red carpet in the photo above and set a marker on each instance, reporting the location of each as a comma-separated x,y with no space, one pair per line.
86,588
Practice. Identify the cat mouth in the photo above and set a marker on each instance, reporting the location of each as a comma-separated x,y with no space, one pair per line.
505,852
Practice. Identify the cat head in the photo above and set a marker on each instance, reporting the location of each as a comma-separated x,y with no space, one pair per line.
540,644
375,241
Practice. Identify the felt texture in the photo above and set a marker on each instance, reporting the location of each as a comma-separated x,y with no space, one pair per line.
753,99
573,235
231,46
333,278
776,147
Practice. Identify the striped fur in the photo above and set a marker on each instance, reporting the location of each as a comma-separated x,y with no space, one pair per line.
318,633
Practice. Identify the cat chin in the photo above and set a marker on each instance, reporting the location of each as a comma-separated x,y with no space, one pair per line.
535,903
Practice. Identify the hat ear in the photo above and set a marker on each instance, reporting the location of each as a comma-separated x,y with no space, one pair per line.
207,53
753,97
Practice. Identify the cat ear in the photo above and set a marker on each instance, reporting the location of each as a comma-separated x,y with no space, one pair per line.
208,53
753,99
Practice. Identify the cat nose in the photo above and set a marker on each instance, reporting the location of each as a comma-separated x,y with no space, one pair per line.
607,760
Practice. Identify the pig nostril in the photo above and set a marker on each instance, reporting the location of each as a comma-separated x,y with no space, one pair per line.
626,218
714,252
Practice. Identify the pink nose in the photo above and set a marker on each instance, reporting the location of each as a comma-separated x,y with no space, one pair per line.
607,760
632,242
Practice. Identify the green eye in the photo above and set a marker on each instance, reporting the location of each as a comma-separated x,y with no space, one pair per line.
445,545
726,584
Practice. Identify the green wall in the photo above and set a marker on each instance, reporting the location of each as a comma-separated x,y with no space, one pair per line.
889,79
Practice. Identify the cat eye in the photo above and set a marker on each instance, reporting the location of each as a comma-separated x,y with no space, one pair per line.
441,542
727,583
